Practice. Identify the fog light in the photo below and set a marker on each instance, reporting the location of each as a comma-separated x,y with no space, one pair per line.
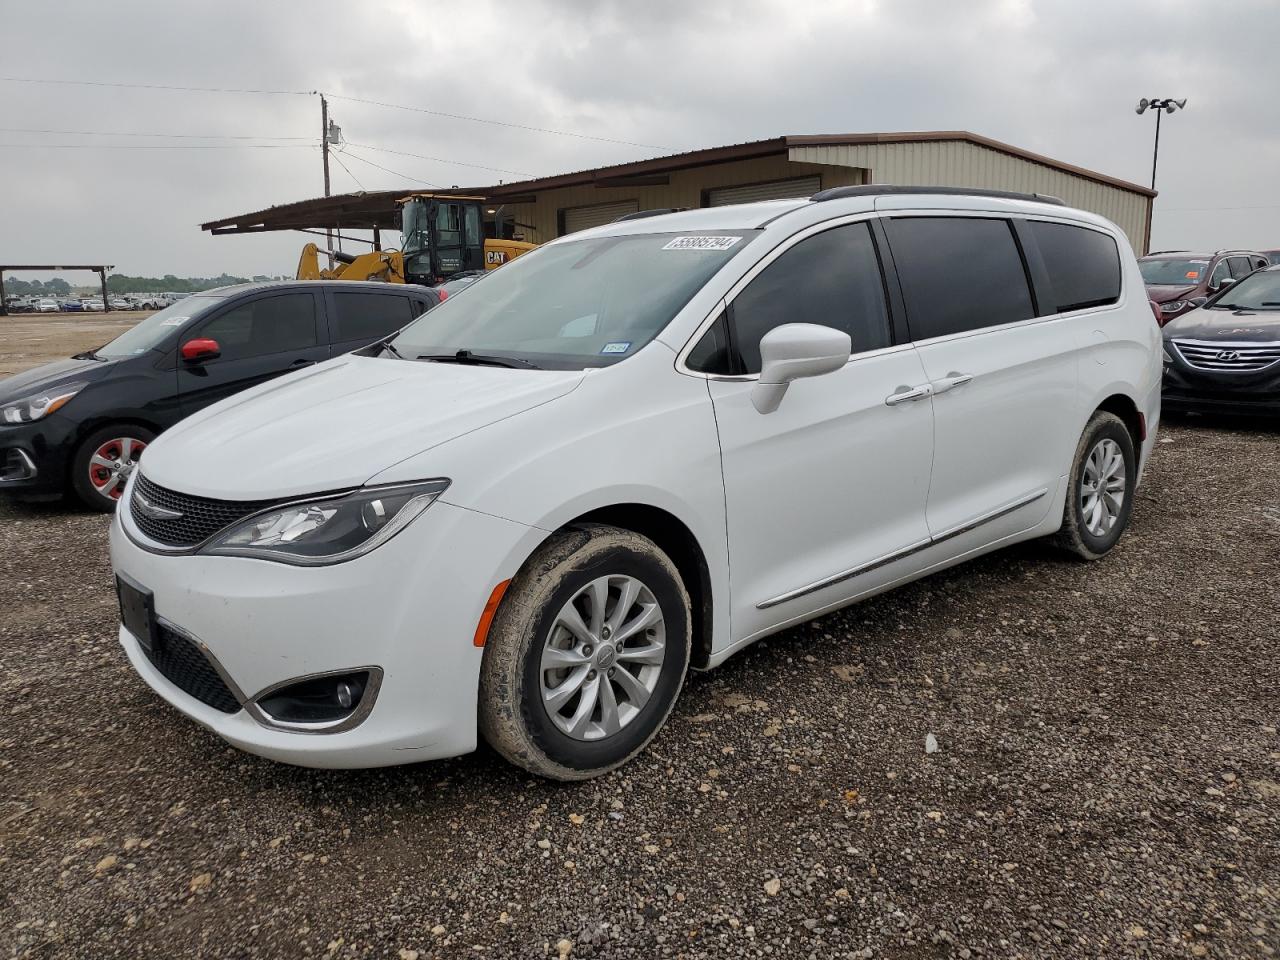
324,699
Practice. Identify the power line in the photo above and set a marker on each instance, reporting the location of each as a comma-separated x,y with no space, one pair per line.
155,86
169,136
334,154
394,173
456,163
497,123
1260,206
158,146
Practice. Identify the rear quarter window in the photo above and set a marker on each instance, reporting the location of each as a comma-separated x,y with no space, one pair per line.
1083,265
370,316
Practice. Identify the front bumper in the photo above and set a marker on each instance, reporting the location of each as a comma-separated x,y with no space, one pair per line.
1190,390
410,608
44,447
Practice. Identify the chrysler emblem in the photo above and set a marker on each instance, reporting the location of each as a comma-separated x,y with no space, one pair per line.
1228,356
155,512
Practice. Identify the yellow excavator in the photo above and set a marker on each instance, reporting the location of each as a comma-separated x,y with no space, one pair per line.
441,236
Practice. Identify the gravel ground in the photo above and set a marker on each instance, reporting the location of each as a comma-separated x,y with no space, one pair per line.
1106,780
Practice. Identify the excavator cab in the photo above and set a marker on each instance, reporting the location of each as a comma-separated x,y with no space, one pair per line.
441,236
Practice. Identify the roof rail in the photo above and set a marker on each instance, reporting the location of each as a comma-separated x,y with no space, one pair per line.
641,214
1156,253
879,189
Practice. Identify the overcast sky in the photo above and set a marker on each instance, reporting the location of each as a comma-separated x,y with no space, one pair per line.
1059,78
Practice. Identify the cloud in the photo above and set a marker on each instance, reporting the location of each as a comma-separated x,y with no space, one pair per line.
1057,78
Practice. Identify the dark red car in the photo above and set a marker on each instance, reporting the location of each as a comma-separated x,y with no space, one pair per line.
1178,280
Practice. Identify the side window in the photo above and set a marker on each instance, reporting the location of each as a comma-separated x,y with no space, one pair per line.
1241,267
832,278
1083,265
369,316
958,274
266,326
711,354
1221,270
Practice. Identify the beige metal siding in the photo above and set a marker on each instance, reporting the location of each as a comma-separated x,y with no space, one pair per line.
538,221
596,215
774,190
955,163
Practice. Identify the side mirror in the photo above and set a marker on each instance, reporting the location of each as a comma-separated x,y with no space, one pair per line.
201,349
793,351
1224,283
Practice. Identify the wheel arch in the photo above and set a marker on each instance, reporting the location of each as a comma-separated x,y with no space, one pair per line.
1124,407
674,538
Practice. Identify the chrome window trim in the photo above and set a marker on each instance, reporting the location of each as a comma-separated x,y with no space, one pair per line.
904,552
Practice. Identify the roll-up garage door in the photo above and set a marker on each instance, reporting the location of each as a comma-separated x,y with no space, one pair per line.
777,190
581,218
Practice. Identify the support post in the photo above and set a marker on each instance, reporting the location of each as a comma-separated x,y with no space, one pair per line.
324,151
102,276
1155,154
4,309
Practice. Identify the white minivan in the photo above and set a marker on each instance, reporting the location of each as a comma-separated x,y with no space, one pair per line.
630,453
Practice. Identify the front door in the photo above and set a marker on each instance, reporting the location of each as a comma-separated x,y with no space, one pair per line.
823,493
258,339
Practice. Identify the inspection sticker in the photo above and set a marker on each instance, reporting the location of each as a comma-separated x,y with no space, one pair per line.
701,243
618,346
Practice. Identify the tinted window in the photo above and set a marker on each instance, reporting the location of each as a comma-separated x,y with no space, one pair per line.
958,274
711,354
1083,265
832,278
1241,267
1176,272
369,316
263,327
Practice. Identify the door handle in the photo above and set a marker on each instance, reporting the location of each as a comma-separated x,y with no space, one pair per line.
951,381
905,393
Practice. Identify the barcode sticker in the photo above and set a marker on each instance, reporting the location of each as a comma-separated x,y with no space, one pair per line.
701,243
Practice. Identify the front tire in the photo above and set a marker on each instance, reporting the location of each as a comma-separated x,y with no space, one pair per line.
103,461
587,654
1100,495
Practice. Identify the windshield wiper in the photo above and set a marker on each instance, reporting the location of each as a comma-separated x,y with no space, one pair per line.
89,355
479,359
386,345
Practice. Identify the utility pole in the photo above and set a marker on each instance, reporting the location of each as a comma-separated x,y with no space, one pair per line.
324,152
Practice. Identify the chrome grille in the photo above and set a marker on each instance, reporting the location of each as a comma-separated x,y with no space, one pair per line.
200,517
1237,357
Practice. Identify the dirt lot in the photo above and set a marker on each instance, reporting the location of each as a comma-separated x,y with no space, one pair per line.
1107,781
28,339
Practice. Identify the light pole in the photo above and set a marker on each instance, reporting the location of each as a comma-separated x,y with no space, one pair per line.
1166,105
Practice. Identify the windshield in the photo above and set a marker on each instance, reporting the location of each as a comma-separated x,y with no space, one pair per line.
414,232
151,332
1177,272
585,303
1258,291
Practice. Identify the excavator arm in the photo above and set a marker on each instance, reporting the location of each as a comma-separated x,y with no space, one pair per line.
384,265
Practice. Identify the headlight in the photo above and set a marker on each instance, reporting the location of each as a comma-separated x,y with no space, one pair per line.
39,405
318,532
1173,306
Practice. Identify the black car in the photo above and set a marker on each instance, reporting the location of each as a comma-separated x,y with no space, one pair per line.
1225,356
79,425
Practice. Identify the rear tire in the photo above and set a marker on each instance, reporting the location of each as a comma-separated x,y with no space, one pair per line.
586,655
103,461
1100,489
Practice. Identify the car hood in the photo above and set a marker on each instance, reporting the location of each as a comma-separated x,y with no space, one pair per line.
1227,326
339,424
1164,292
48,375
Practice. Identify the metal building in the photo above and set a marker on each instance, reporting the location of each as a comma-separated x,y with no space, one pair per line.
793,166
799,166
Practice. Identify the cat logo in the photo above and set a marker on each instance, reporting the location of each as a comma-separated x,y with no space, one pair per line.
495,258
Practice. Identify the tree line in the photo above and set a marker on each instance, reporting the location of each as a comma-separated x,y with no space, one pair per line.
122,283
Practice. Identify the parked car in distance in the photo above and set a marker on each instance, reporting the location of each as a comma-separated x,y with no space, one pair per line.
1271,255
48,306
1224,357
78,425
119,303
1178,281
91,304
71,306
518,516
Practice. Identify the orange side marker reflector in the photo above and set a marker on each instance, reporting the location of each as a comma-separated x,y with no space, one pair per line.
490,608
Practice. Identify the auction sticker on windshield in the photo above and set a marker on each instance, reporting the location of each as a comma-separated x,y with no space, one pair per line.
701,243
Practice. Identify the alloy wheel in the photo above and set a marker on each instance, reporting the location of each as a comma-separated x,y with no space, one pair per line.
1102,487
111,464
603,657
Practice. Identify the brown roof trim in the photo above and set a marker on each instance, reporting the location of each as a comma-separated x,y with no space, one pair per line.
974,138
